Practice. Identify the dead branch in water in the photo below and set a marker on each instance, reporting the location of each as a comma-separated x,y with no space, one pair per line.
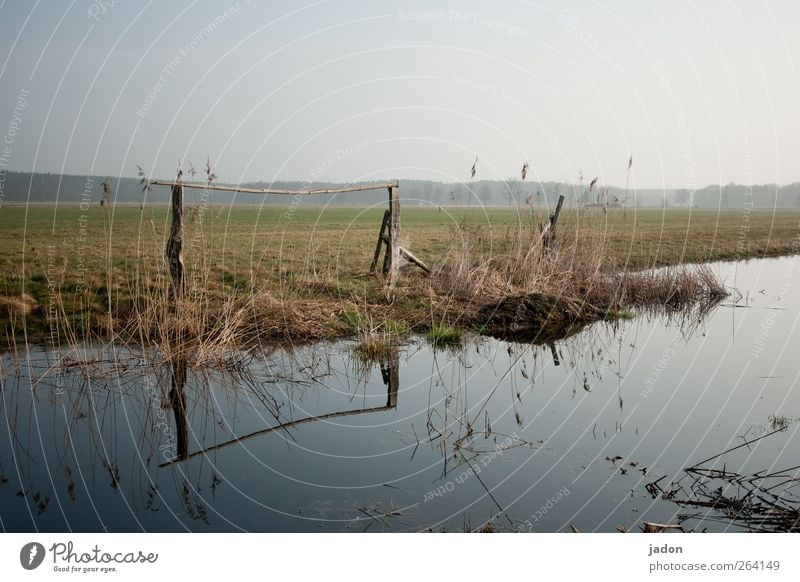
759,502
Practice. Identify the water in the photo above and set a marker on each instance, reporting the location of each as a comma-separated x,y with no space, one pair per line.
529,438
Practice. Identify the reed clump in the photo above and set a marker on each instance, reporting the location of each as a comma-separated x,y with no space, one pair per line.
519,282
376,342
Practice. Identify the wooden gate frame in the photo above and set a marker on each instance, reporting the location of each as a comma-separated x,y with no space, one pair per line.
174,249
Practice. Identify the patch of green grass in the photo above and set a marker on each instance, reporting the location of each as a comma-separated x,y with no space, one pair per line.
480,328
395,327
230,279
626,314
352,317
443,336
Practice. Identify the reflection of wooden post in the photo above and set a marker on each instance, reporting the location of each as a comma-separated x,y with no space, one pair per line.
390,371
553,351
175,244
394,234
177,396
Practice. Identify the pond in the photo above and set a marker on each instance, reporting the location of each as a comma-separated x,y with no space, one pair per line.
594,432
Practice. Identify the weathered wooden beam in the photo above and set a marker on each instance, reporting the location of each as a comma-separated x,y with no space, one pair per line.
175,245
222,188
381,241
394,234
407,255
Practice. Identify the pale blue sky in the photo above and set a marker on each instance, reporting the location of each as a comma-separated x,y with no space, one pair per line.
699,92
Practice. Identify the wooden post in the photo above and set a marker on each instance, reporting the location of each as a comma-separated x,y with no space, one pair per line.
548,231
387,256
394,234
554,217
175,245
381,241
175,259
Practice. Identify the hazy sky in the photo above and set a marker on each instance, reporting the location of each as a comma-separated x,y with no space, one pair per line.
699,92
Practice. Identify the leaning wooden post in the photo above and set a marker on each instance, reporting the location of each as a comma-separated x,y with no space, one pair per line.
175,245
549,230
394,234
381,241
554,219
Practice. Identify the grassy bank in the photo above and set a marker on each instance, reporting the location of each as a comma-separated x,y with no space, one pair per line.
296,274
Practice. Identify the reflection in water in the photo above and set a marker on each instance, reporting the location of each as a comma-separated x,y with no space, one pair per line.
389,372
177,398
500,434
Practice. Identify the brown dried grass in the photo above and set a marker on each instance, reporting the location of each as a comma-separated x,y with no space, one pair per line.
571,270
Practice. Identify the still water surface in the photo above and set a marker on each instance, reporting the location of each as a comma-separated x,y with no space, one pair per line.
530,438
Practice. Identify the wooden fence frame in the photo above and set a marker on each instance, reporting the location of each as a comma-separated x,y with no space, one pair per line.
175,243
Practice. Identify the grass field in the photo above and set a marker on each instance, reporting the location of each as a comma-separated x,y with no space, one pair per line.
98,264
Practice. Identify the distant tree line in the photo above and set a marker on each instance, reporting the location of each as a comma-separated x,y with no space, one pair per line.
21,187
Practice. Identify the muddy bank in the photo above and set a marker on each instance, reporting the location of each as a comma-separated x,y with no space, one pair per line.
538,318
264,320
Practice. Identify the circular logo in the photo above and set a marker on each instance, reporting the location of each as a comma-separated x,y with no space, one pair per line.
31,555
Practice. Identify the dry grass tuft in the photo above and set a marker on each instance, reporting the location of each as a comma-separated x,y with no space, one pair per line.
673,287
